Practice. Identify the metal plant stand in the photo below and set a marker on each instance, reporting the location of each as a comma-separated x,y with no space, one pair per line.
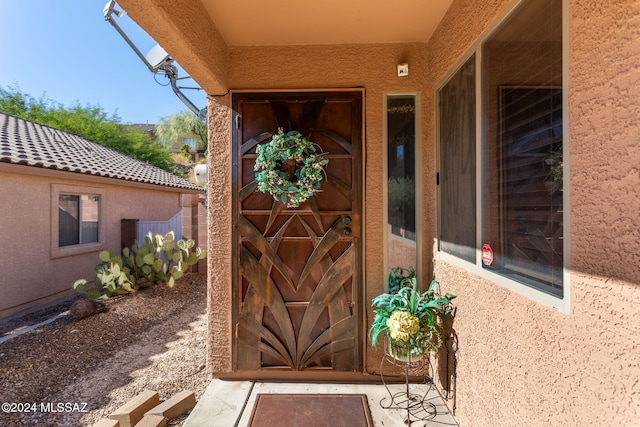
418,408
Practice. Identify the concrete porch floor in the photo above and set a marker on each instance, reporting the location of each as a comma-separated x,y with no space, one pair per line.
230,403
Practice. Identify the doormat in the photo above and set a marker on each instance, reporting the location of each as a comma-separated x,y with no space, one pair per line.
311,410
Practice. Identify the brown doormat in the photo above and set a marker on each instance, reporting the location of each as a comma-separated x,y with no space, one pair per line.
311,410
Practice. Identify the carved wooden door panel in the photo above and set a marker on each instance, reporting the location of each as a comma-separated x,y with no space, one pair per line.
297,288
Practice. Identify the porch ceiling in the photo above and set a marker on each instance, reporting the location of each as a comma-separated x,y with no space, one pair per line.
287,22
199,34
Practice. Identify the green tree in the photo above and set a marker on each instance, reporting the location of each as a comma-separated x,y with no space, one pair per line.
184,124
91,122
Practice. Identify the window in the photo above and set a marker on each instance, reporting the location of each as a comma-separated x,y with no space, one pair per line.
78,219
520,217
457,176
401,180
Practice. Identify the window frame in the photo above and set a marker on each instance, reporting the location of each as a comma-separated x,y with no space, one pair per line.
562,304
63,189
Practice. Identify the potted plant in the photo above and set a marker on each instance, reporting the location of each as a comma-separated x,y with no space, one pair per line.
397,275
411,321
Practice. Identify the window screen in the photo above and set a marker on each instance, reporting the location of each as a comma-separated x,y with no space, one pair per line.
457,176
78,219
522,100
521,164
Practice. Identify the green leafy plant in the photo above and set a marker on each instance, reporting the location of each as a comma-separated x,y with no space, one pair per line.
291,147
555,166
411,320
397,275
159,259
402,192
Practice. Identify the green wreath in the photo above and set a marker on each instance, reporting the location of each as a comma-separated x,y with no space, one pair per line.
293,149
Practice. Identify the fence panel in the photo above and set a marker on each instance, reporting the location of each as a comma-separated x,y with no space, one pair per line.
162,227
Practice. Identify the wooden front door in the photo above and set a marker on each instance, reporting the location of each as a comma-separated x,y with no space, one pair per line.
297,288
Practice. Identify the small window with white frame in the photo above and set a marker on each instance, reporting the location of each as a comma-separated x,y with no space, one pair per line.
78,219
77,225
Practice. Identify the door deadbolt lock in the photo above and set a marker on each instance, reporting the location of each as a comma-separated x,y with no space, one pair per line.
346,220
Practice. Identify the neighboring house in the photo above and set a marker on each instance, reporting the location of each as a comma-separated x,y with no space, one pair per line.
147,128
64,199
518,121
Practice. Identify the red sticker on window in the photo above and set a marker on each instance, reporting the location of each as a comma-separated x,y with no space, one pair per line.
487,254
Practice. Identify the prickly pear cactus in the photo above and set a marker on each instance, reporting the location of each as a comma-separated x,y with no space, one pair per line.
159,259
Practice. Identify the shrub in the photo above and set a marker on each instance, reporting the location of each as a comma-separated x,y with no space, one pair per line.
159,259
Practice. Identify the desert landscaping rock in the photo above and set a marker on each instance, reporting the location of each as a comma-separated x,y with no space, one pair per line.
154,340
83,307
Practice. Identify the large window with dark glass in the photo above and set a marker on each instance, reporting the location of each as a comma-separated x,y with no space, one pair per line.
457,153
521,166
522,97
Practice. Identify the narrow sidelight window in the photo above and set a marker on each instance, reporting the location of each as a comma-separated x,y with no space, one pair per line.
401,181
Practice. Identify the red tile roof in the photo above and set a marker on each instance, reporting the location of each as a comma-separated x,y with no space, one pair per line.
28,143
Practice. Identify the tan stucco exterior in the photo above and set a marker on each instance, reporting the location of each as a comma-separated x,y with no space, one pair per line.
520,362
34,270
219,225
319,67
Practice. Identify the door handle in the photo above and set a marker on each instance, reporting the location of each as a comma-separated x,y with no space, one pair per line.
346,231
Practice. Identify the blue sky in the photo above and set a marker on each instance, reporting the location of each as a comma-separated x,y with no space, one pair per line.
67,52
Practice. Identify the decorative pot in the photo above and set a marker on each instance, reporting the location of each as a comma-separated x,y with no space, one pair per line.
404,354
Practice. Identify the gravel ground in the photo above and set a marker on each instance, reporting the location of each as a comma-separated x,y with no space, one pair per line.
154,340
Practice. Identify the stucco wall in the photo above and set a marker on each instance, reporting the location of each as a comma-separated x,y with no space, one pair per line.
521,362
219,227
29,272
372,67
